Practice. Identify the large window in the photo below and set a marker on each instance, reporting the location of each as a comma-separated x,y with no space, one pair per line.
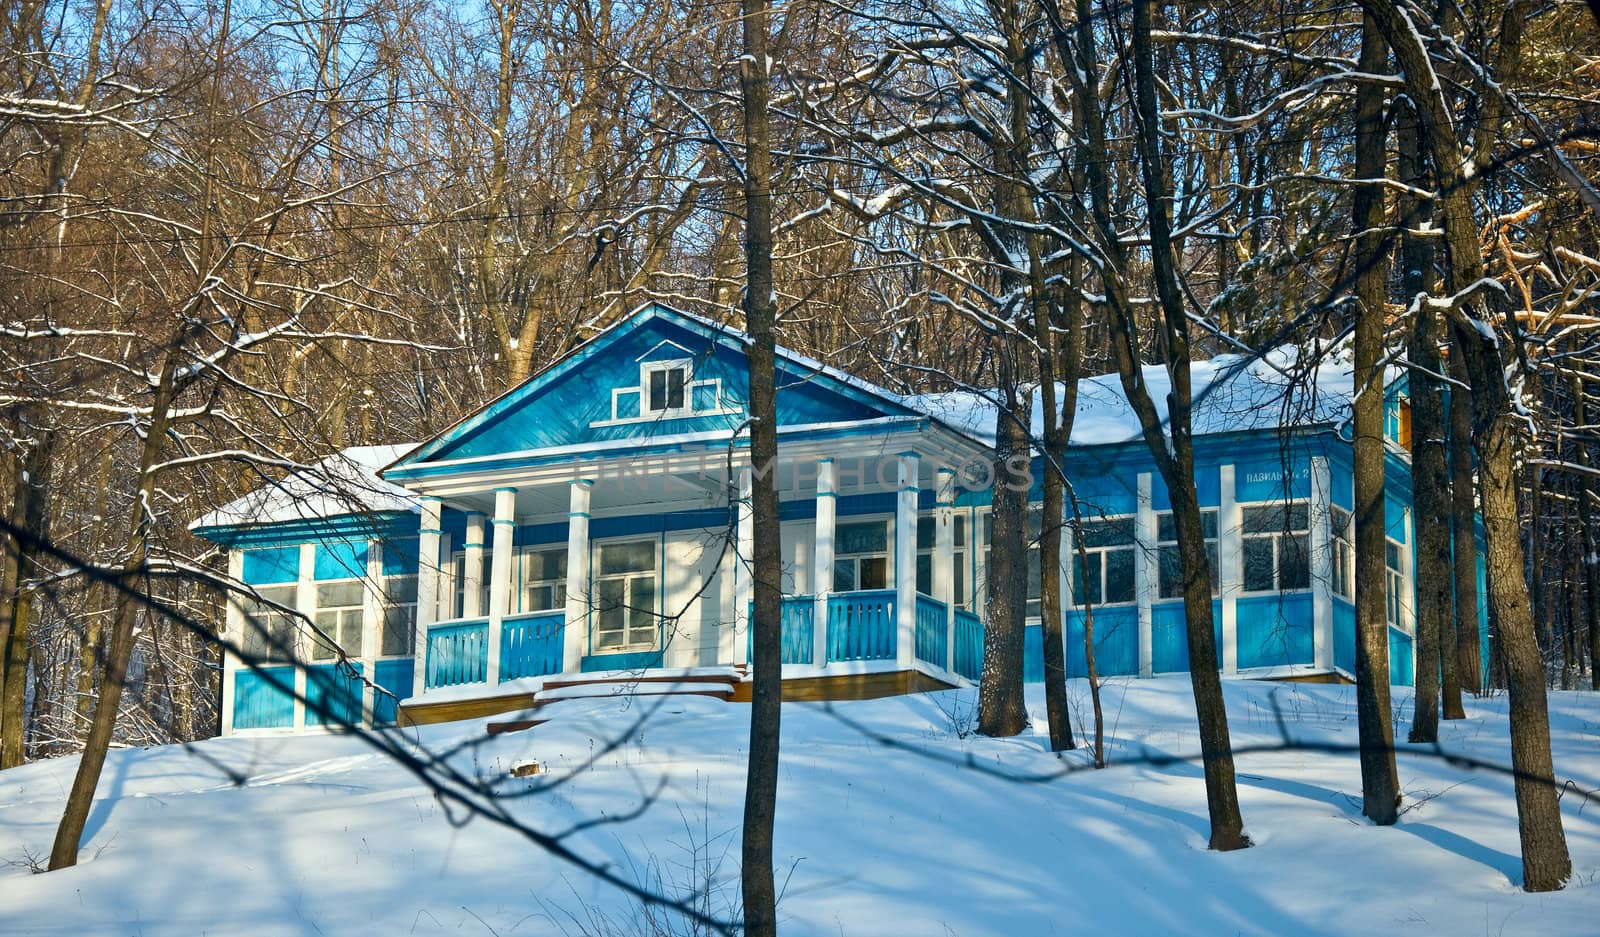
544,579
339,618
1033,584
268,632
1393,579
861,556
927,544
625,596
399,615
665,388
1344,554
458,605
1277,547
1169,559
1104,564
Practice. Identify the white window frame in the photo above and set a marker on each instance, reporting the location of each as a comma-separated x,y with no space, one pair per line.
1342,542
1211,553
526,582
963,596
256,641
456,590
1394,585
386,608
840,558
320,651
1277,537
1077,565
657,597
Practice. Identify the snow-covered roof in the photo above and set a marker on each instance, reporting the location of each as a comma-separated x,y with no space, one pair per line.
1232,393
341,484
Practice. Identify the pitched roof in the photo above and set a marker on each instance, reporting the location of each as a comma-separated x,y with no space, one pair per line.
342,484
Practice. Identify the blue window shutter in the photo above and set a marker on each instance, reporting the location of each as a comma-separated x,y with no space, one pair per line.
271,565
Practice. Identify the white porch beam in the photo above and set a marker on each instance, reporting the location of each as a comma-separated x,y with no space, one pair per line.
944,557
472,571
905,561
743,566
1230,566
1321,564
235,629
505,526
305,599
1146,572
575,630
822,555
427,585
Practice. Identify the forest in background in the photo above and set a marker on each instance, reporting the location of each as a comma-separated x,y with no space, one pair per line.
235,237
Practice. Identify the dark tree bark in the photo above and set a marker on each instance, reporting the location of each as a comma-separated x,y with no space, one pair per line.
1464,528
31,513
1176,463
1591,539
1001,708
1546,864
1430,471
1380,786
761,780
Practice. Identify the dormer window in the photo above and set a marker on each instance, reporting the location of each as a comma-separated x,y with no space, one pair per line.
666,389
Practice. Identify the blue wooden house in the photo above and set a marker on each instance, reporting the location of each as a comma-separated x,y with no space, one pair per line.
589,528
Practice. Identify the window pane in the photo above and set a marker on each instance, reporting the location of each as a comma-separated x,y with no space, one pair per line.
1110,533
961,582
1294,562
844,576
1263,518
398,624
545,565
1034,581
925,573
1391,555
1258,564
1086,584
1166,527
927,528
610,614
617,558
339,594
328,625
1171,567
642,610
867,537
961,530
1299,516
874,572
675,389
400,590
1119,576
658,390
350,632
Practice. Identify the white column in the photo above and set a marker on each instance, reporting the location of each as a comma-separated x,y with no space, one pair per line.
743,567
1321,564
235,629
371,618
1408,588
944,557
822,555
575,632
505,527
1145,572
305,600
905,561
472,567
1230,567
427,585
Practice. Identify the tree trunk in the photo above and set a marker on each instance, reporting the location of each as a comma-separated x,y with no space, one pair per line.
1464,528
1591,539
761,781
1380,787
64,851
1436,633
1001,709
31,508
1058,360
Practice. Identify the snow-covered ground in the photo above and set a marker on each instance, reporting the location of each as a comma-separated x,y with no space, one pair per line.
889,822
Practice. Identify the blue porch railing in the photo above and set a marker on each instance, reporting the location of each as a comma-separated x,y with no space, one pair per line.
861,625
969,644
799,614
458,653
532,645
933,630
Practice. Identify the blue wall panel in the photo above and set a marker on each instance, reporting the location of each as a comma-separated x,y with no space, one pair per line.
341,559
1033,654
1264,479
1169,636
1400,662
333,694
635,661
263,700
1274,630
1344,635
1116,642
394,676
271,565
400,556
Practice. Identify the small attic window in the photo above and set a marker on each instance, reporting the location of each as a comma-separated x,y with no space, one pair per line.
666,388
